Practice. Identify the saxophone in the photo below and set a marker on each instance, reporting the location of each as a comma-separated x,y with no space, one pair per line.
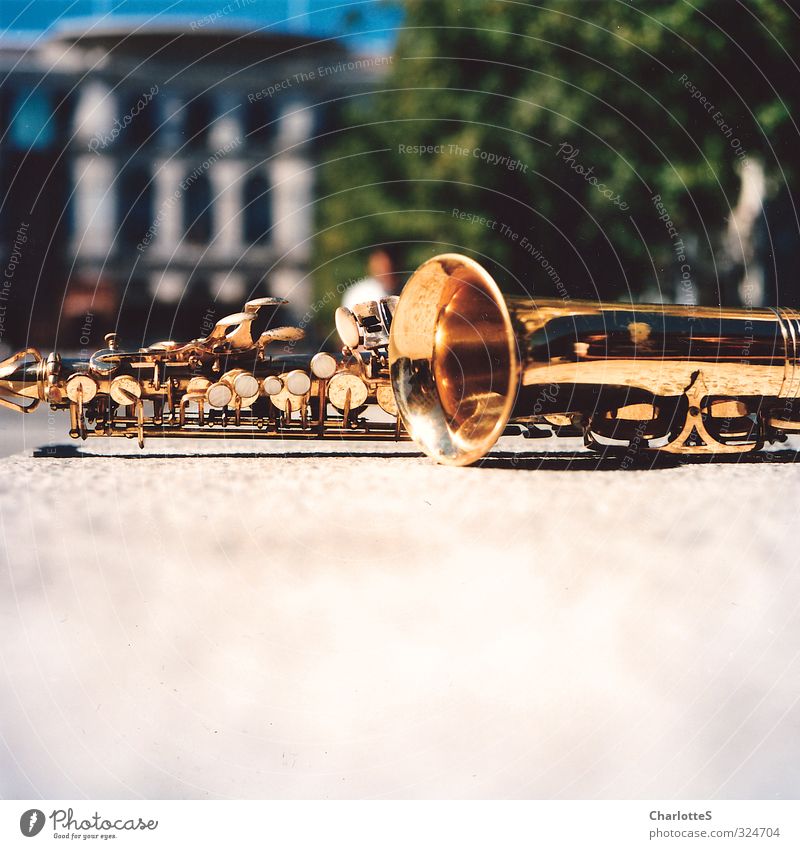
454,365
226,384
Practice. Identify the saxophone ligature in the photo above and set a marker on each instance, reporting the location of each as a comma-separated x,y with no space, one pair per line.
454,365
227,384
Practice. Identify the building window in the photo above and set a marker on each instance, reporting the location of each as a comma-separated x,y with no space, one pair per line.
298,122
197,209
33,125
257,211
139,122
260,124
134,206
199,117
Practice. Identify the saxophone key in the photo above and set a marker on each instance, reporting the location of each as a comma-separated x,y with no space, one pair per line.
298,383
219,395
272,385
342,384
81,387
125,390
323,365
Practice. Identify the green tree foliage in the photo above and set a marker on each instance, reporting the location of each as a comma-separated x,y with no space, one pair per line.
558,123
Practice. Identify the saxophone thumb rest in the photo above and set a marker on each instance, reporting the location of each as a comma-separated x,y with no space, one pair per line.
453,364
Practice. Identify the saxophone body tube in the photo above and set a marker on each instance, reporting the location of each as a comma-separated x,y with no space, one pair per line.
469,365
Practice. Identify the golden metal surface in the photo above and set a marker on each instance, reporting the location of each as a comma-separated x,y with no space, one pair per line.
198,385
786,425
633,412
280,334
467,363
285,400
558,420
244,386
453,359
12,388
385,398
727,409
694,438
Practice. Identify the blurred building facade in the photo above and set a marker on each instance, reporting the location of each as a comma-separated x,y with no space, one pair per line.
153,179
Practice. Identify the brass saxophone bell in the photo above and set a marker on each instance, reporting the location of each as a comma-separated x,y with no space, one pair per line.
469,364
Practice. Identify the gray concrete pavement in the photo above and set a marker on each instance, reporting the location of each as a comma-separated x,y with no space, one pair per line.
288,620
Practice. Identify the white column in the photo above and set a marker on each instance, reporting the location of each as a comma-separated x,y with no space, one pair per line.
226,199
291,180
295,123
229,288
227,127
167,205
94,204
294,286
167,287
94,116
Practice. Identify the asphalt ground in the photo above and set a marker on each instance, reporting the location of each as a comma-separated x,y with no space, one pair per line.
297,620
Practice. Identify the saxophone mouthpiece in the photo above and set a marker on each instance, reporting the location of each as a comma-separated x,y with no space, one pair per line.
22,380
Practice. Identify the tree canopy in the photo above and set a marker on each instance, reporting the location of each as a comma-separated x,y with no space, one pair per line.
581,149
